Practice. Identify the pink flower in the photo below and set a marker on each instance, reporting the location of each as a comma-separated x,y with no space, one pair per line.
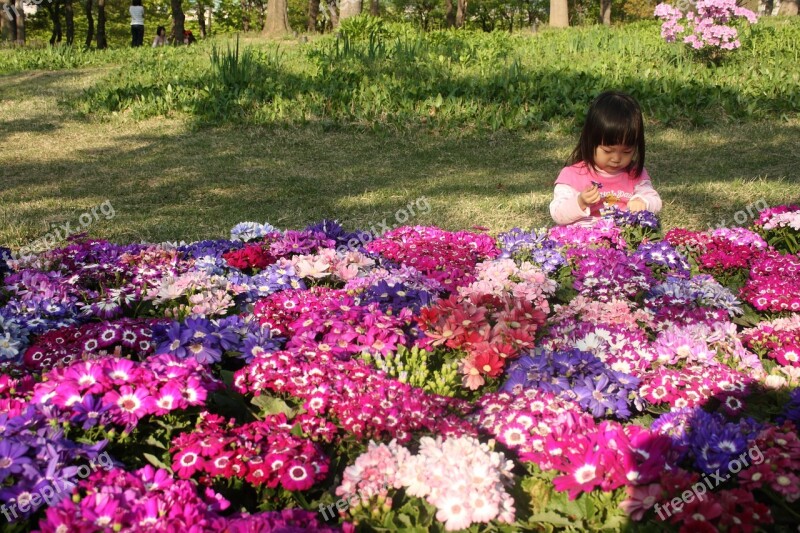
641,499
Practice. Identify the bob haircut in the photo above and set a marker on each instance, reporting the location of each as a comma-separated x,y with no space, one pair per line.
613,118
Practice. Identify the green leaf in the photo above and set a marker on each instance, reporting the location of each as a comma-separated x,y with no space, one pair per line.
155,461
269,405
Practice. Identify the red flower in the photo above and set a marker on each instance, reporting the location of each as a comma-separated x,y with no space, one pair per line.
487,361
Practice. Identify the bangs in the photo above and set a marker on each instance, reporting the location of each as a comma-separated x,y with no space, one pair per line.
617,126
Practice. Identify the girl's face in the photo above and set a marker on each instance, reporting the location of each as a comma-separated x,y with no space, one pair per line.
613,158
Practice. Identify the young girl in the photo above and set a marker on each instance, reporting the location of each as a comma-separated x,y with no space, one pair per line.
161,37
607,166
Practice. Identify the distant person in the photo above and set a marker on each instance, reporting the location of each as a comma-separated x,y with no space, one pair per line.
137,23
607,167
188,37
161,37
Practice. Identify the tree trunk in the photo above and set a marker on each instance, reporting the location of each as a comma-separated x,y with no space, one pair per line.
89,24
788,7
101,25
559,14
333,9
55,16
349,8
177,22
374,8
277,24
245,16
69,21
201,18
313,13
605,12
19,21
461,13
449,14
8,24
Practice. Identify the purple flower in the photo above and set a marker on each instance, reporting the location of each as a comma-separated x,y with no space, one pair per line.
12,458
90,411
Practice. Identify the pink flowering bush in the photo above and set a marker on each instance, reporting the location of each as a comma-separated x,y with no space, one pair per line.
712,28
443,472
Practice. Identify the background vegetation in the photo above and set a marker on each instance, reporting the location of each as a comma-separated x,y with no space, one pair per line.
185,142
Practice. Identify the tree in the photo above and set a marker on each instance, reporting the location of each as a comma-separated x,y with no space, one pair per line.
605,12
177,21
449,14
461,13
313,13
788,7
19,20
201,18
349,8
277,23
559,14
53,9
374,8
69,20
89,24
101,25
8,21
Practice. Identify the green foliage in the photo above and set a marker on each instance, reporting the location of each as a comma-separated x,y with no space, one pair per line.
389,75
419,368
550,510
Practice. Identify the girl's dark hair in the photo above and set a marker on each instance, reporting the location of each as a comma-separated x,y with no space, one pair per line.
158,30
613,118
136,2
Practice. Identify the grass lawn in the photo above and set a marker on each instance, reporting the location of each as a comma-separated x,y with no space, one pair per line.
169,181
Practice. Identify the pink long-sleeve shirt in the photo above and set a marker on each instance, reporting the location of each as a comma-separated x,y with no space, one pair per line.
618,189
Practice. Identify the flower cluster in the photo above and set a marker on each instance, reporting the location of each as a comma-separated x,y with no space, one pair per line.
700,299
602,233
623,217
780,226
778,339
62,346
710,27
772,285
444,473
694,385
503,277
607,273
488,328
532,246
262,453
447,257
35,453
578,376
109,390
664,259
150,499
363,401
206,340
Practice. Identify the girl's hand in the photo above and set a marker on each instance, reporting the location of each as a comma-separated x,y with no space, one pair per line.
588,197
636,205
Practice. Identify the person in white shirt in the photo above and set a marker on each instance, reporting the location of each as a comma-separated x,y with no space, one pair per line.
161,37
137,22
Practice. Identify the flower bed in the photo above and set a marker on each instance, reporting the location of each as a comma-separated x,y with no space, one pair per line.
570,378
